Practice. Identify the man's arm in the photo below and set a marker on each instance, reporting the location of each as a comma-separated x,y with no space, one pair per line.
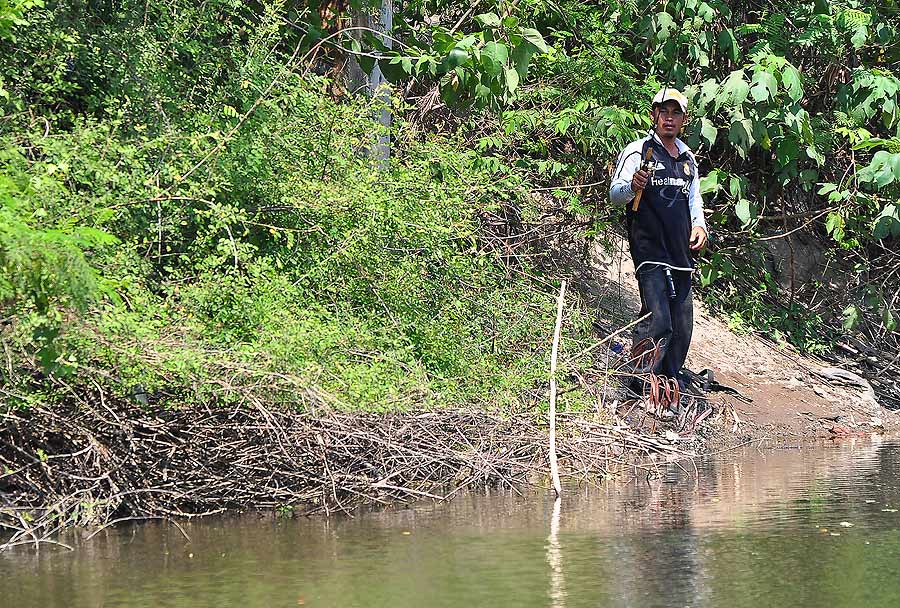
621,190
699,231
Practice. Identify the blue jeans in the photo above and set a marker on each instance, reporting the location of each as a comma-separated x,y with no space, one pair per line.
662,340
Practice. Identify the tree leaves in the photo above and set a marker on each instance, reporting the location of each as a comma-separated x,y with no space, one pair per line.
534,37
708,131
882,170
494,57
852,315
743,212
455,58
728,44
787,150
887,223
736,87
792,82
511,79
484,67
741,134
664,26
764,86
711,183
488,20
521,57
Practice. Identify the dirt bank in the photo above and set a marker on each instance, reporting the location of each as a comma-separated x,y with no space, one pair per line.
789,397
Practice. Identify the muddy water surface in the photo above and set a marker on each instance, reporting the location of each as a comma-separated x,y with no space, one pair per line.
801,527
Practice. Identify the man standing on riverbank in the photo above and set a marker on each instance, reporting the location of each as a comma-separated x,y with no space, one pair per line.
664,227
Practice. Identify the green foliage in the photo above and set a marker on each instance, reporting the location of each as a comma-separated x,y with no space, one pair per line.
783,128
195,181
483,67
42,248
12,14
276,254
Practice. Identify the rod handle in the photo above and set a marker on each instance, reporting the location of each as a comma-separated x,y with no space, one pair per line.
637,197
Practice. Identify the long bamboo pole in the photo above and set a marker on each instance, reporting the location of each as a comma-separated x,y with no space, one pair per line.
554,469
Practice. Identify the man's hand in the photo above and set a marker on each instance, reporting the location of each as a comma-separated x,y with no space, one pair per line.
639,181
698,238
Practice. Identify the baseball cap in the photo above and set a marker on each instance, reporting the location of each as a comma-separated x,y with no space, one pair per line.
669,93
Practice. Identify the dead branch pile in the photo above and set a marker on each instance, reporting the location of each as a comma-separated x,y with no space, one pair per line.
66,464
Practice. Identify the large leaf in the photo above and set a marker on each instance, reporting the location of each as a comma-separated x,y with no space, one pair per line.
883,227
743,212
708,131
467,42
815,155
888,223
456,57
728,44
741,135
736,87
884,169
712,182
521,57
534,37
708,90
511,78
367,64
764,86
786,150
737,187
488,19
494,56
392,70
859,36
834,225
706,12
664,26
791,79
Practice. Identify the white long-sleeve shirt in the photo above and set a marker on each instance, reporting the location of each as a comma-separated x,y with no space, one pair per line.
629,162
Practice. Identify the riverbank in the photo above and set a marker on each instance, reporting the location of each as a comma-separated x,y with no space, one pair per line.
69,465
92,458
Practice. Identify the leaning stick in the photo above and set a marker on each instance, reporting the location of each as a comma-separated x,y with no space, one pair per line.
607,338
554,469
637,197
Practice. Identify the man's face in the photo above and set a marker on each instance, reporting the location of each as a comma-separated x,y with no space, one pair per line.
668,118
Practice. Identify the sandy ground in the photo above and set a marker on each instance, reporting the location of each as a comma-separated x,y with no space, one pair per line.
789,402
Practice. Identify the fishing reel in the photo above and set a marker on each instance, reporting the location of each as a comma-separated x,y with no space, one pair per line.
648,164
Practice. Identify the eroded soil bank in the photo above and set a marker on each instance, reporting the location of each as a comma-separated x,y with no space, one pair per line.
785,397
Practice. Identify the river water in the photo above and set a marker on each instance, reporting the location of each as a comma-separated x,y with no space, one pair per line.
817,526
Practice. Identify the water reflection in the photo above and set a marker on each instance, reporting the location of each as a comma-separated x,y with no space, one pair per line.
748,529
554,558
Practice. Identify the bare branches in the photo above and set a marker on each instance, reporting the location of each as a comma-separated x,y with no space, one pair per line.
71,464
